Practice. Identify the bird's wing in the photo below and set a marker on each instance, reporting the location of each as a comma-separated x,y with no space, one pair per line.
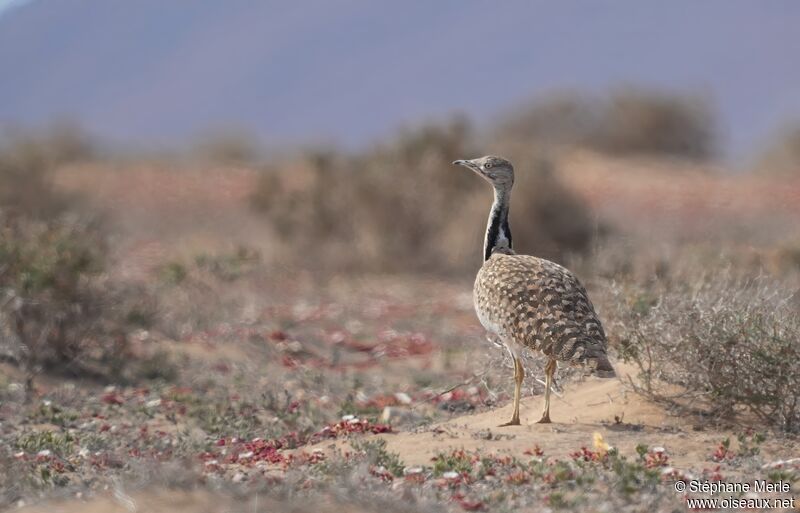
548,309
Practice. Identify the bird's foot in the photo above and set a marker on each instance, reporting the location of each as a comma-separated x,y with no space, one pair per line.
513,422
544,420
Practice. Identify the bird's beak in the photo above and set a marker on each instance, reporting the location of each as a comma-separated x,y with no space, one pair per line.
465,163
472,166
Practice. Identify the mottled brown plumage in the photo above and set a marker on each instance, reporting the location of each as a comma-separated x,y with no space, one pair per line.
529,302
540,305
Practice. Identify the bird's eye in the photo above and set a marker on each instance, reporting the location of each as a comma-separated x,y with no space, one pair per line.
488,165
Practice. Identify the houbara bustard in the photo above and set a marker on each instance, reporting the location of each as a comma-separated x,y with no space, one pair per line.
529,302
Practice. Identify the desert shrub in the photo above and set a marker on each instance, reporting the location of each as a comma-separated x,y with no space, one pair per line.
566,118
377,456
628,121
57,307
730,346
787,256
782,155
547,219
229,266
380,207
26,165
157,366
657,123
402,206
227,147
198,292
56,300
59,443
172,273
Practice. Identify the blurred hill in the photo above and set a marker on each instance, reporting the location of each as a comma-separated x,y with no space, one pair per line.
352,71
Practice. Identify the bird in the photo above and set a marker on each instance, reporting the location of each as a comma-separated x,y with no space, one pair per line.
528,302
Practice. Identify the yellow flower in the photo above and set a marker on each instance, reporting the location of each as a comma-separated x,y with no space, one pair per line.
600,445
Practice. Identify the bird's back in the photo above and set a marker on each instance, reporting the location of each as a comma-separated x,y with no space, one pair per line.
542,306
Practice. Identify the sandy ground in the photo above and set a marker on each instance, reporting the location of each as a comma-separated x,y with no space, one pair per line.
595,405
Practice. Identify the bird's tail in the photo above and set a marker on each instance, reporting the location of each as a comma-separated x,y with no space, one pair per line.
594,359
600,366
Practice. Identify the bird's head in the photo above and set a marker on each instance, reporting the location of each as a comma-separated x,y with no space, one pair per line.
496,170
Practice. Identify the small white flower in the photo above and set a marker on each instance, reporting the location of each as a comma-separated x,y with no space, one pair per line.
451,474
244,455
44,453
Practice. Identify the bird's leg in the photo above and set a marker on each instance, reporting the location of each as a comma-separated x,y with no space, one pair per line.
519,375
549,370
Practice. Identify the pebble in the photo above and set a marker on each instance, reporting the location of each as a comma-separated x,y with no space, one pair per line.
398,415
402,398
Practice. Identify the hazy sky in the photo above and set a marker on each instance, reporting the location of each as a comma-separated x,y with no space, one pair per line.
6,4
352,71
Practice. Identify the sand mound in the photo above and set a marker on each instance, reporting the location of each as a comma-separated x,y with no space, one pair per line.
606,406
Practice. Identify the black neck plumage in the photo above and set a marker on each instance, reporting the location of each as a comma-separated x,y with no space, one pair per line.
498,233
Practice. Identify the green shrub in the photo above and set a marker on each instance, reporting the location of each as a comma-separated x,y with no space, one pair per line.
57,307
377,455
59,443
56,299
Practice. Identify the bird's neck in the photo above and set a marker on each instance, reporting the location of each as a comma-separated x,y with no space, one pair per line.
498,233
